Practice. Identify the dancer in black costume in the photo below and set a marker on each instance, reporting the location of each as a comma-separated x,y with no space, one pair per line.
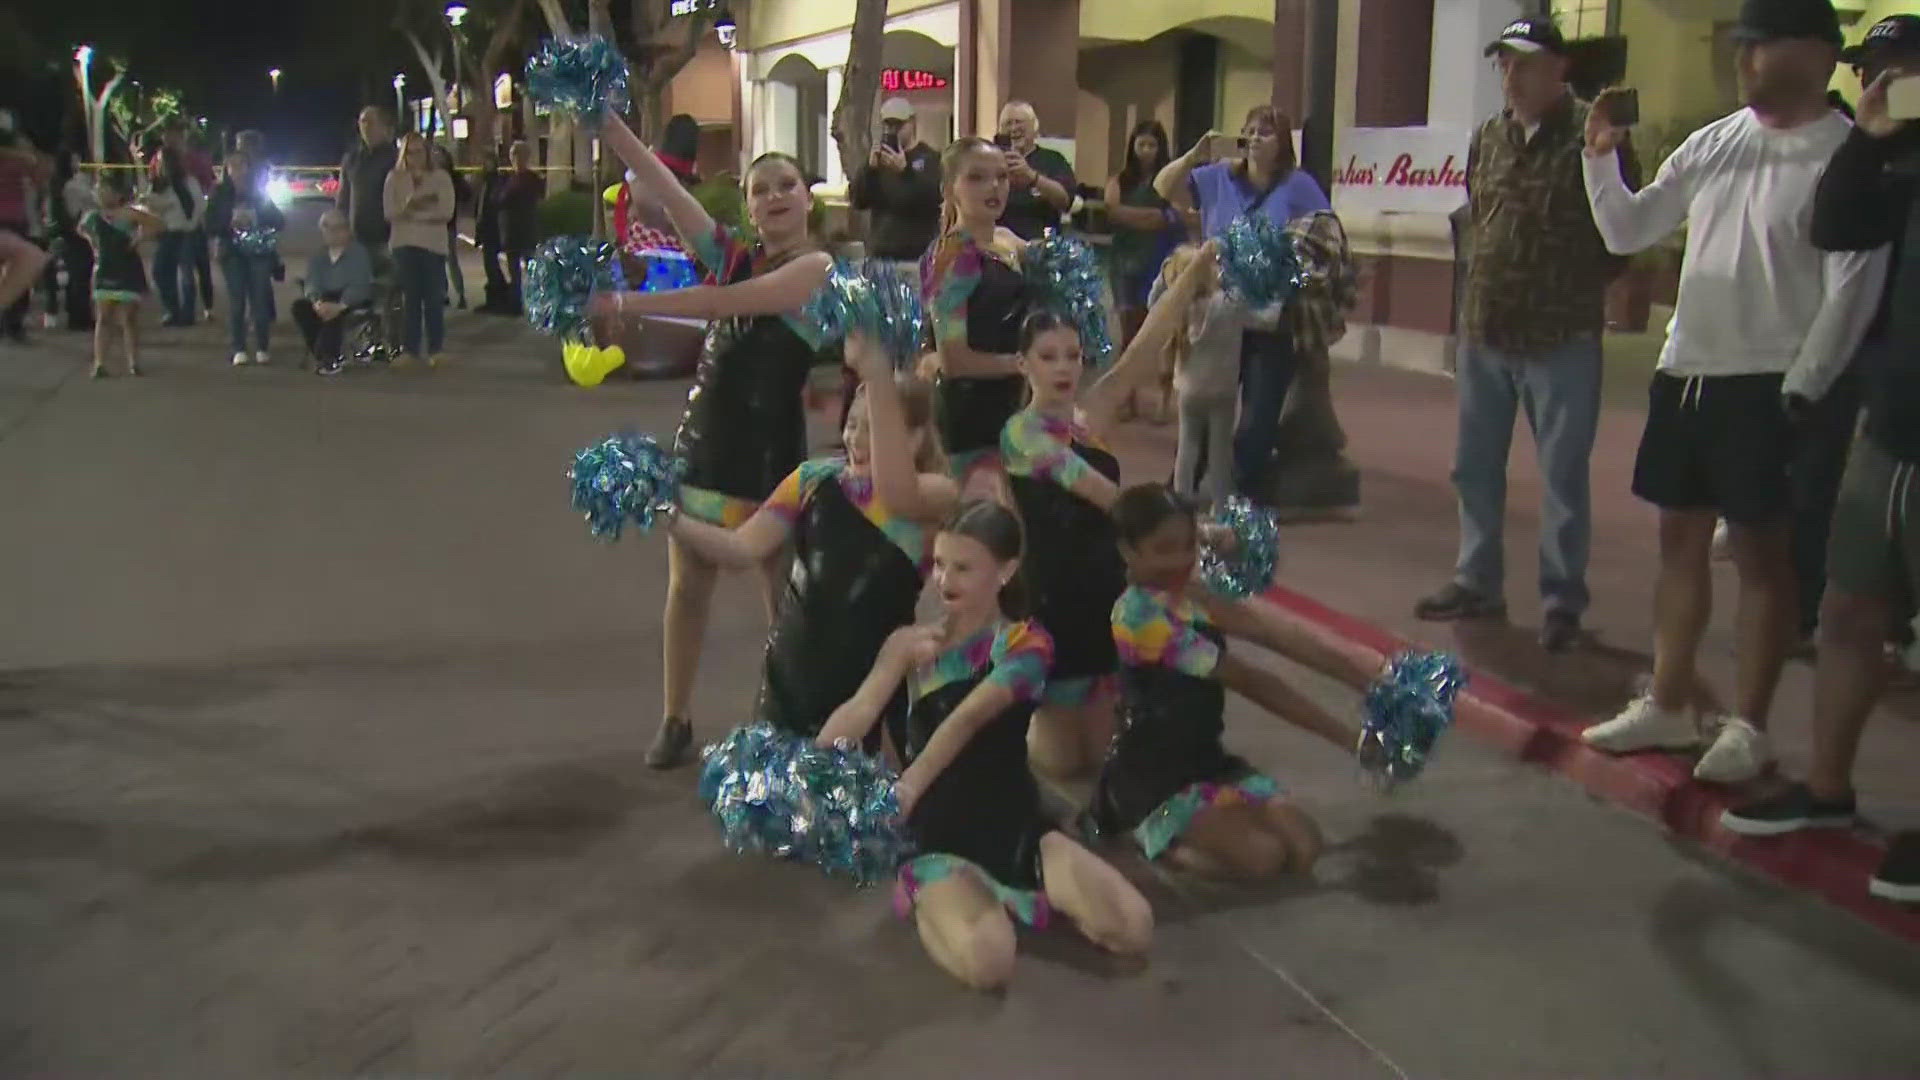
745,427
1063,479
860,546
987,853
1168,781
970,279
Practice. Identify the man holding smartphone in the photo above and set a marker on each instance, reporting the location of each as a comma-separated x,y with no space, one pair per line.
1039,181
900,186
1531,318
1763,325
1866,200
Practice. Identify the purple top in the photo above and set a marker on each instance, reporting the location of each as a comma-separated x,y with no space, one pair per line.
1222,195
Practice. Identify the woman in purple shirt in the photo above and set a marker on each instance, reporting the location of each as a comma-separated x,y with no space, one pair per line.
1265,179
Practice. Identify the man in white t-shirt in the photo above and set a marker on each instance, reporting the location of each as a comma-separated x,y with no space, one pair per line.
1763,324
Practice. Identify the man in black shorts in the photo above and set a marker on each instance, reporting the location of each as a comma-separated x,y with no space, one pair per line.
1763,325
1866,199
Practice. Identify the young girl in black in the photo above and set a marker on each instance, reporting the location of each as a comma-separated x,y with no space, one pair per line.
119,276
988,855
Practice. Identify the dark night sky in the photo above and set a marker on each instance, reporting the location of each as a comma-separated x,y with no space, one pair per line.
334,54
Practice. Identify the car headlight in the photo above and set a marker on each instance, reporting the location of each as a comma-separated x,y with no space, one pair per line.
279,191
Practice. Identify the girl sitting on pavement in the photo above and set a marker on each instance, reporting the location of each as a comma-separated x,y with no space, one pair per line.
988,855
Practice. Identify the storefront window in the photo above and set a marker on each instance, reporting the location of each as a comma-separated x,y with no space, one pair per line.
1586,18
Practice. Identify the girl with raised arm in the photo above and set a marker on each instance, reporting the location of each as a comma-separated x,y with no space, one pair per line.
745,426
988,855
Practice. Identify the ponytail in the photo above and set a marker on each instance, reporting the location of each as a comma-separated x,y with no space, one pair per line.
996,528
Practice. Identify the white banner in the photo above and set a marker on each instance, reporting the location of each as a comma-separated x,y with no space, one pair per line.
1408,170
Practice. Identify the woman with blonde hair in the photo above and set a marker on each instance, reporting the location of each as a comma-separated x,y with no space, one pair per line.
419,203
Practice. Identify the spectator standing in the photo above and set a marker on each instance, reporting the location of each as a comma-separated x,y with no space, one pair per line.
462,197
1873,554
363,177
1265,179
519,214
339,279
1531,319
419,201
1040,183
179,202
22,173
237,211
1145,230
487,235
1763,324
74,198
900,187
115,230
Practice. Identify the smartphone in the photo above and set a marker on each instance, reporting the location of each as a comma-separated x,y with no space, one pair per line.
1903,98
1004,142
891,140
1225,146
1623,107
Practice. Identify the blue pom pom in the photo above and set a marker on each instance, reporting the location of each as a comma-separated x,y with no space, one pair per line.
256,241
776,793
584,78
1258,264
874,299
562,275
624,478
1064,276
1407,710
667,271
1248,569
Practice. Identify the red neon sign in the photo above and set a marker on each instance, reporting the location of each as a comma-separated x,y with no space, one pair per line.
892,79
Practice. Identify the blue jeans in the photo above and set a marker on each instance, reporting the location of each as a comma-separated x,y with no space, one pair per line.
1560,391
422,277
249,292
173,275
1266,372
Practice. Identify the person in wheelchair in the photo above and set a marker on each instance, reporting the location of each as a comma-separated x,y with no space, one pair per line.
338,287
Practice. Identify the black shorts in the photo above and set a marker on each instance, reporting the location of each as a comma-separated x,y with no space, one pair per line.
1716,442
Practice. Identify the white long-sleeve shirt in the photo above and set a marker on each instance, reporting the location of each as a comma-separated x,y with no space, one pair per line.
1756,297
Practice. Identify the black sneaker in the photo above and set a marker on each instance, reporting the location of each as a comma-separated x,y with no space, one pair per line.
1559,631
1456,601
1789,811
1899,875
670,745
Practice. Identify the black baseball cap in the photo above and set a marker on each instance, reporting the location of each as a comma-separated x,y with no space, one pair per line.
1893,34
1772,20
1529,35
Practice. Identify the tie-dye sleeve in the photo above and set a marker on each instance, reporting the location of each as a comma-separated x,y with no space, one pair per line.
1022,656
1149,633
1041,447
948,273
791,496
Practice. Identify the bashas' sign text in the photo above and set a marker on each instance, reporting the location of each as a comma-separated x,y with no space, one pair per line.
1407,170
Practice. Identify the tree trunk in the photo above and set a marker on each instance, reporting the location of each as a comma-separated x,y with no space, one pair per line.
436,82
486,115
859,85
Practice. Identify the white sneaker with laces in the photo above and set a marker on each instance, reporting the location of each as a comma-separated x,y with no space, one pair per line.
260,357
1738,754
1642,725
241,359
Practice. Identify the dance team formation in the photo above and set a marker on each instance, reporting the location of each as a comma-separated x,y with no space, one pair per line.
1074,634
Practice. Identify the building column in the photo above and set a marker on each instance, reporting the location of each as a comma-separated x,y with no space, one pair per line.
829,150
1464,89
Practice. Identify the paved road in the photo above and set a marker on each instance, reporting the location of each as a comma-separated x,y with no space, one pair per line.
320,726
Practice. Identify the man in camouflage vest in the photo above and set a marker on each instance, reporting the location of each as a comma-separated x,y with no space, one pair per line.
1531,314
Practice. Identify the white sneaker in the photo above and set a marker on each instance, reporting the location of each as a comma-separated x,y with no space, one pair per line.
1721,551
241,359
1738,754
260,357
1642,725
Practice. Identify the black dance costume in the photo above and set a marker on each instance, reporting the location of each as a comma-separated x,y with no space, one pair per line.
855,578
745,427
981,816
1167,762
969,290
1073,554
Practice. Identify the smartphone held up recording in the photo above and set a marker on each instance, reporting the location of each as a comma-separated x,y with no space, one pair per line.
1620,106
1003,141
1903,98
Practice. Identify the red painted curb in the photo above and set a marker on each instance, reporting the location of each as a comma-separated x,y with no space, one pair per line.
1833,864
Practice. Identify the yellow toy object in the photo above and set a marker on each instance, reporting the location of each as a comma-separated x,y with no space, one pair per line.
588,365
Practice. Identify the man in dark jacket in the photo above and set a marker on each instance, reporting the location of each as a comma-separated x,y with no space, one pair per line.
363,181
900,185
1865,200
519,194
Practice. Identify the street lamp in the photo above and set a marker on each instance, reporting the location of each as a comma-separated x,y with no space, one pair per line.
399,95
456,13
725,28
274,74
